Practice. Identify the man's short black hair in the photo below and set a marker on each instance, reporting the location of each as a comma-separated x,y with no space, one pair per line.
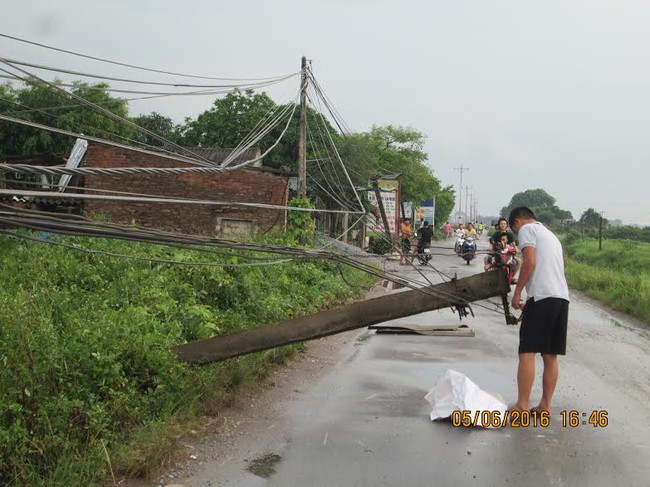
425,224
520,212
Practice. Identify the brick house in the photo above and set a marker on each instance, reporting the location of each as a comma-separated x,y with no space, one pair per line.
250,185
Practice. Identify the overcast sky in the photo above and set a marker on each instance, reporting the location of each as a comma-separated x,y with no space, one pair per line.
550,94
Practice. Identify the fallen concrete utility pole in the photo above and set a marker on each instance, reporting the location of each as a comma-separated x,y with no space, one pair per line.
357,315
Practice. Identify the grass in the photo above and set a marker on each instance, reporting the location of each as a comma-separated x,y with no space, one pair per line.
618,275
89,390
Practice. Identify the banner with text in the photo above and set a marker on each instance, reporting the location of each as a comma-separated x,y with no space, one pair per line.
389,191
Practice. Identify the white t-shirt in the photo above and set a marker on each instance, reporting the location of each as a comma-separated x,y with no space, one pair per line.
548,279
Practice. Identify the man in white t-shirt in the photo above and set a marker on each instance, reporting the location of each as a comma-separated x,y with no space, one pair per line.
545,313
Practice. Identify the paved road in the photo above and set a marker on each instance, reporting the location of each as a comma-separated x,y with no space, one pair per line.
366,423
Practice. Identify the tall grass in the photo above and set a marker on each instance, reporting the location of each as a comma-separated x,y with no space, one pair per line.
618,275
88,386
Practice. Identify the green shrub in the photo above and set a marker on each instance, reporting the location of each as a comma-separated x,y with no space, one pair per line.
380,245
86,372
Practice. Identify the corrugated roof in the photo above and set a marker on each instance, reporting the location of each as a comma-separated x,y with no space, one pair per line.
219,154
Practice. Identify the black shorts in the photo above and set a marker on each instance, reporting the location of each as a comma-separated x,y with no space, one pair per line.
543,326
406,245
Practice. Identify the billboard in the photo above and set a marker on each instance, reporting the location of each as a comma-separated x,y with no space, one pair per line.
389,192
426,212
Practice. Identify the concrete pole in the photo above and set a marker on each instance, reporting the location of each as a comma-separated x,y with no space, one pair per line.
302,133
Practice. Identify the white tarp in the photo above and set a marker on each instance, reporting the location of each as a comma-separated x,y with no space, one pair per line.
454,391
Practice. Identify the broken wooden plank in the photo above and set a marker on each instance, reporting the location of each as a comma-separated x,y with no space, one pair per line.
357,315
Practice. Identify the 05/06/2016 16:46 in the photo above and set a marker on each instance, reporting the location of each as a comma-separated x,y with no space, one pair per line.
526,419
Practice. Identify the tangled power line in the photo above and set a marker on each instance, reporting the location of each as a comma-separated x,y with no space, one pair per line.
326,170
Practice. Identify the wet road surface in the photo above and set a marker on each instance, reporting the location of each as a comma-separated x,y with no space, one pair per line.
366,423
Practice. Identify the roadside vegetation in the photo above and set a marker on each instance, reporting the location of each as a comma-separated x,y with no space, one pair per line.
618,275
89,390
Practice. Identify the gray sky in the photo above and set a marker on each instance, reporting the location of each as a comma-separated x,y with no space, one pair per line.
552,94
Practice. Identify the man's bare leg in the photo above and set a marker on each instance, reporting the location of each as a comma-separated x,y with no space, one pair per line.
525,379
549,381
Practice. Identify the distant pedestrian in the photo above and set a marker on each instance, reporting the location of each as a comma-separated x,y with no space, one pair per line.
448,230
545,313
407,233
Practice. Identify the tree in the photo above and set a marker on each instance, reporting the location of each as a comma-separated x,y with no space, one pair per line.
445,202
591,218
158,124
532,198
228,121
392,150
541,203
40,103
232,118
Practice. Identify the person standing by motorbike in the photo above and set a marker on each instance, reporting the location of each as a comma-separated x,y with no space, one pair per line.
407,233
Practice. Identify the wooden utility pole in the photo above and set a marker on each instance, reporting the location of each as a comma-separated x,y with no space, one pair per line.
380,204
600,233
302,133
357,315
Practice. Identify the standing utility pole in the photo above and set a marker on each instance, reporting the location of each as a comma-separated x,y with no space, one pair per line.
600,232
460,188
302,133
467,215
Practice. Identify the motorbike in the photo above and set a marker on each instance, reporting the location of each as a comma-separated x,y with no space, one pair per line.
460,239
468,249
423,254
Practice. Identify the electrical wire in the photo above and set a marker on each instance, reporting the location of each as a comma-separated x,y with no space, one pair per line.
73,53
155,83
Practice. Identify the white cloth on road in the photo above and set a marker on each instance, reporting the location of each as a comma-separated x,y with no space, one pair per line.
455,392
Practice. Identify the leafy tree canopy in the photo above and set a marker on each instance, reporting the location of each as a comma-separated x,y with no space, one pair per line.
390,150
542,204
591,218
228,121
41,104
158,124
232,118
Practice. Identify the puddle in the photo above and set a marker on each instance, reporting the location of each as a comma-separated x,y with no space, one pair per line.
264,466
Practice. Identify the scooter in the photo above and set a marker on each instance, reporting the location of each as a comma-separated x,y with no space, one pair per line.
468,249
460,239
424,254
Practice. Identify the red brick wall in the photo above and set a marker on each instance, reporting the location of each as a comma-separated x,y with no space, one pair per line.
246,185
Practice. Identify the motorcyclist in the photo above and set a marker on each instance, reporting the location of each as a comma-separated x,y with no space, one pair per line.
470,231
424,234
505,252
502,229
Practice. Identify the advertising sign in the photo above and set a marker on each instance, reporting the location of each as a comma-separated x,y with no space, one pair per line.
389,191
